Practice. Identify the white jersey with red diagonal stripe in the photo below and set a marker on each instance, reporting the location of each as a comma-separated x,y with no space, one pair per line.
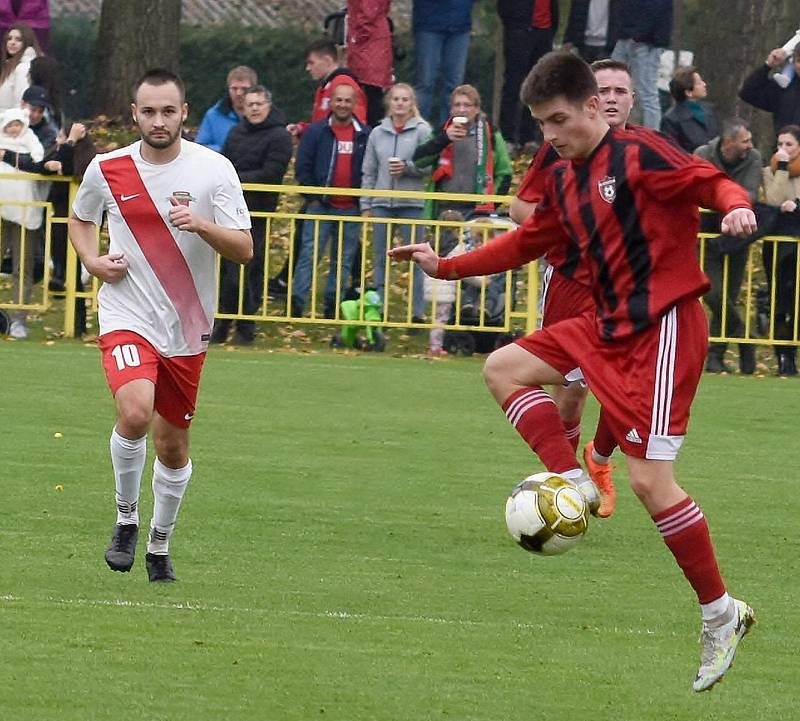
169,294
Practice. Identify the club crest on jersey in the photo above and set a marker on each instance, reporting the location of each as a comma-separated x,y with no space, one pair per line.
608,188
184,197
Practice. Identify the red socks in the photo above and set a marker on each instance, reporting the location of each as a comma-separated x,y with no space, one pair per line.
684,530
535,416
604,441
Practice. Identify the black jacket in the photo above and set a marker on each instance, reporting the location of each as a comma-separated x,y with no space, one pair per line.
579,16
260,153
688,132
760,91
646,21
521,11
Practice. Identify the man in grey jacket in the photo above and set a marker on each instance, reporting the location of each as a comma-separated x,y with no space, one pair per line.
732,152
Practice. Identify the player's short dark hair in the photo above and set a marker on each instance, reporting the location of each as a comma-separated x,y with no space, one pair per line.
610,64
323,46
160,76
682,82
558,74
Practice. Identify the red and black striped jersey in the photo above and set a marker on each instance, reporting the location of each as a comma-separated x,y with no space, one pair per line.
566,259
632,209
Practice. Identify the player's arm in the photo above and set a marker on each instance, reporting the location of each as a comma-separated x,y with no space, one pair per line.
231,243
668,173
532,187
109,268
530,241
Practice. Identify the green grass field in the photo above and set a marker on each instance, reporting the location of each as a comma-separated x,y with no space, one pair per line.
342,555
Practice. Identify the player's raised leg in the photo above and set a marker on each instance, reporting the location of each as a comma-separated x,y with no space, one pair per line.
134,402
515,378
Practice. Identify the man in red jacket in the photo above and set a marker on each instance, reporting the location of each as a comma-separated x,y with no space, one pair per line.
322,63
627,202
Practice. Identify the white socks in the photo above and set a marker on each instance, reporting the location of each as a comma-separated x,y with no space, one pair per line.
169,485
718,610
127,459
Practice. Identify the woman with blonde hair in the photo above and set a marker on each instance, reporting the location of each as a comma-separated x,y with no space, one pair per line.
388,165
19,48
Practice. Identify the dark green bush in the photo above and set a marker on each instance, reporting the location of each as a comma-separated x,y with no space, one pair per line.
207,53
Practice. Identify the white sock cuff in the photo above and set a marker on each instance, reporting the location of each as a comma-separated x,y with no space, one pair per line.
172,475
127,444
573,474
715,609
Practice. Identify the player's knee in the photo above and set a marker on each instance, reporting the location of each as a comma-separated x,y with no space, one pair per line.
494,372
134,418
647,489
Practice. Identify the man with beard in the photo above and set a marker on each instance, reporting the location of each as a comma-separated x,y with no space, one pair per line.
172,205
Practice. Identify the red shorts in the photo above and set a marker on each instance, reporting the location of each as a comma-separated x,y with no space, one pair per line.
564,298
127,357
645,383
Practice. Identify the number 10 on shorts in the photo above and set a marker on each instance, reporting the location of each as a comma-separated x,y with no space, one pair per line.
126,356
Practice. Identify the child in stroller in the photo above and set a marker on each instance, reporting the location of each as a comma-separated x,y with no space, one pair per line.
491,290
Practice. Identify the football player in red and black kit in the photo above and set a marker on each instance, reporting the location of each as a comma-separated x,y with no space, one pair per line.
627,202
567,285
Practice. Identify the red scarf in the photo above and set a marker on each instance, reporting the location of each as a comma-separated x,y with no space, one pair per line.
542,16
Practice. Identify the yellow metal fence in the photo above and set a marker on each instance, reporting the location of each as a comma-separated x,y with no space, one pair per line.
768,303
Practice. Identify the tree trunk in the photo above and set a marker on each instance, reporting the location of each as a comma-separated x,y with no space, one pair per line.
134,36
732,38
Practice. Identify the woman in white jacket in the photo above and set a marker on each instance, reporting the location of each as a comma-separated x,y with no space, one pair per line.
19,48
388,165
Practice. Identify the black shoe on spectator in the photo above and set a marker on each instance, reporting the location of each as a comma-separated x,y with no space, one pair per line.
715,364
277,287
122,549
159,567
747,359
240,338
220,332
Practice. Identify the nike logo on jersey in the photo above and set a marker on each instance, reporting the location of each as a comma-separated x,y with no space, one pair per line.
633,436
189,416
123,198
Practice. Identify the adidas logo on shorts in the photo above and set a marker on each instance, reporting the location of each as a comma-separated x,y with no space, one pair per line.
633,436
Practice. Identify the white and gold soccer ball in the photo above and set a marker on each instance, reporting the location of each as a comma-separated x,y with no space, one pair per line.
547,514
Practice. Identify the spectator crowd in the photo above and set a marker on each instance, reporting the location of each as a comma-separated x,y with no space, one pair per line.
366,130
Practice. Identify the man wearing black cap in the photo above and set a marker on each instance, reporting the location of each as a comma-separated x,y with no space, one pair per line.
35,101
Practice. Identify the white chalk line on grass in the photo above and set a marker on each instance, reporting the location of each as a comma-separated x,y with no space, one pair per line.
330,614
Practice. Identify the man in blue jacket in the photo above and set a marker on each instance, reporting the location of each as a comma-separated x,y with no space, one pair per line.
441,43
226,113
645,29
330,155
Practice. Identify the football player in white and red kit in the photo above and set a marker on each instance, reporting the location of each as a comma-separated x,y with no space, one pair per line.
567,284
628,201
171,205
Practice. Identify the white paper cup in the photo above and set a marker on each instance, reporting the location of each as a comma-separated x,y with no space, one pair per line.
460,120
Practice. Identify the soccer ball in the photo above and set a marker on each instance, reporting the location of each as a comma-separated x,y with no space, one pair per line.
547,514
